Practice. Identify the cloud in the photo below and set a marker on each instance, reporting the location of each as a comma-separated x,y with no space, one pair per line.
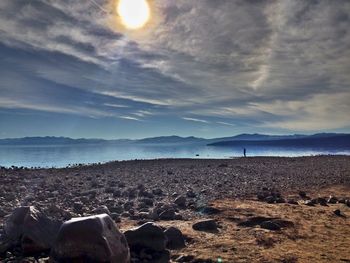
274,64
225,123
320,112
194,119
129,118
115,105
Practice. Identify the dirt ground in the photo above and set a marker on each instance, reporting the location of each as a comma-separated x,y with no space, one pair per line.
317,234
309,234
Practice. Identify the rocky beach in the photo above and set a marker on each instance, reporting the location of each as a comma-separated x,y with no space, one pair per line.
255,209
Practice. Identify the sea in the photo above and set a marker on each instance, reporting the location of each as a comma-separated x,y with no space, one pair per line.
47,156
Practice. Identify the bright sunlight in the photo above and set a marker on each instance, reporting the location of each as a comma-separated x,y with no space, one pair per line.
134,14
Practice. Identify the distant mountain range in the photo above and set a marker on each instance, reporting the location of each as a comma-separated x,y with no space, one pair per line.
241,140
316,140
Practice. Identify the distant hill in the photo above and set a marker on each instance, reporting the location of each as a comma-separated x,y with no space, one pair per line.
320,139
171,140
316,140
257,137
48,140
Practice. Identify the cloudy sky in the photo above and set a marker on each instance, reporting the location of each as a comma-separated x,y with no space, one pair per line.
206,68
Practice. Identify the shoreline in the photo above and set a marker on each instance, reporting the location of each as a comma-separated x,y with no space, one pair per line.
80,165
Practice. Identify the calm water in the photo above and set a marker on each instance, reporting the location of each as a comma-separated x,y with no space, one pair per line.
61,156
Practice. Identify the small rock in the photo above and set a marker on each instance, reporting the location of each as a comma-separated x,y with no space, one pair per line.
115,217
117,193
175,239
78,207
2,213
147,235
101,210
168,214
322,201
310,202
332,200
117,209
180,201
205,225
339,213
185,258
302,194
128,205
270,225
147,201
293,202
109,190
191,194
157,191
208,210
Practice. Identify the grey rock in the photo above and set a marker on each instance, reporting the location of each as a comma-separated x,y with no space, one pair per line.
168,214
117,209
292,202
175,239
270,225
302,194
78,207
205,225
185,258
128,205
339,213
90,239
322,201
180,201
30,229
117,193
2,213
191,194
157,191
208,210
310,202
101,210
147,201
147,235
332,200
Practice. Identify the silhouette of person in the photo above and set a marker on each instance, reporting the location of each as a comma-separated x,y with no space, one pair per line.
244,152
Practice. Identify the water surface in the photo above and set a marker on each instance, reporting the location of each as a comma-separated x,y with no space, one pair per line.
64,155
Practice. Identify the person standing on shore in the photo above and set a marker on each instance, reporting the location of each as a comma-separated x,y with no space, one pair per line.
244,152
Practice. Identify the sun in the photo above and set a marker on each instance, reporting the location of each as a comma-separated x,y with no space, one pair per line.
134,14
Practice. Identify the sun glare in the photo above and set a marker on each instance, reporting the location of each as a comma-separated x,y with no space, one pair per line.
134,14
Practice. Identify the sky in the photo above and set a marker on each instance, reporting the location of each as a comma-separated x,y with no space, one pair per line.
206,68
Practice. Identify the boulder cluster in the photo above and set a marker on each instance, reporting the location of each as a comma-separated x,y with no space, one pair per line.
274,196
95,238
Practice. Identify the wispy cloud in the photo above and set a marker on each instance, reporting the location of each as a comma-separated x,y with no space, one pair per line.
142,113
129,118
116,105
195,120
225,123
